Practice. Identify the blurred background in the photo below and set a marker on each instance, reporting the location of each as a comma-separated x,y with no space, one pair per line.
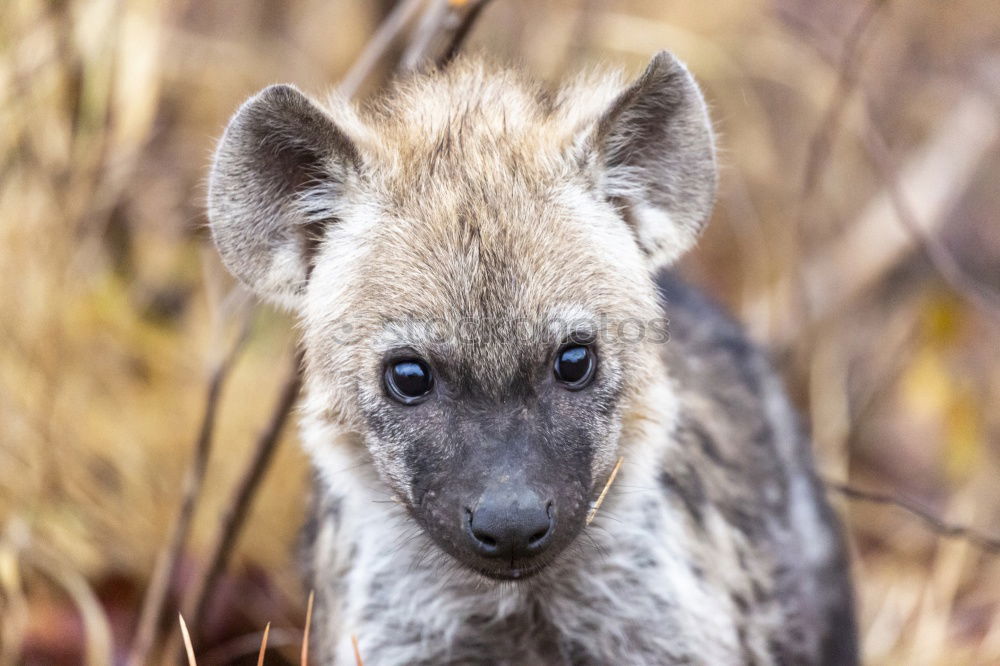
856,235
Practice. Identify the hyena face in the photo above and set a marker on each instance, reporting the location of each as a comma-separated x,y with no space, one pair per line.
470,259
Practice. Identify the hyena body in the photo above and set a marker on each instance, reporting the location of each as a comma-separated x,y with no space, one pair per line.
476,262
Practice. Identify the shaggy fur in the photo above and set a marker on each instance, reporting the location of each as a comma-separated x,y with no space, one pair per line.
477,220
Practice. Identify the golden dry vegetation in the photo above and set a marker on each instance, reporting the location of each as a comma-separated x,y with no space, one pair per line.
856,235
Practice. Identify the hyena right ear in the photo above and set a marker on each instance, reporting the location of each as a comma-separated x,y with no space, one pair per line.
279,170
656,159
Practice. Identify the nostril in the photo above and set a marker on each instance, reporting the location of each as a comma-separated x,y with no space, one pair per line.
537,537
540,534
483,539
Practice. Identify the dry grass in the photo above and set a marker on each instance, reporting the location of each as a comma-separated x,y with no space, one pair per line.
188,647
113,309
604,491
192,660
263,644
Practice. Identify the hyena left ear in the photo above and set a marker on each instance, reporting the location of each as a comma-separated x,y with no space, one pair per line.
280,171
656,158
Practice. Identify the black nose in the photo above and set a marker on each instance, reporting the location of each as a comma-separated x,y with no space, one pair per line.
510,525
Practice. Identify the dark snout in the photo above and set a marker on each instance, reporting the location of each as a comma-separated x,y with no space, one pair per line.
509,500
510,522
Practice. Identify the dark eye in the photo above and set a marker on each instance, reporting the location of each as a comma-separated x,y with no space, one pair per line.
408,381
575,366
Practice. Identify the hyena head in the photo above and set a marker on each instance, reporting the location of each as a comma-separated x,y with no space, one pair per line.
470,258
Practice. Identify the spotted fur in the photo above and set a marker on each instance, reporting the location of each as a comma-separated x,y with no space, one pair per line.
476,218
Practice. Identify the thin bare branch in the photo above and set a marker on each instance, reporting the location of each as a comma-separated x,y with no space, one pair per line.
378,46
443,30
426,33
985,542
461,31
947,266
818,152
234,514
872,245
169,557
855,48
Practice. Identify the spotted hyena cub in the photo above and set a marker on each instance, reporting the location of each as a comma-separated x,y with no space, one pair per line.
476,262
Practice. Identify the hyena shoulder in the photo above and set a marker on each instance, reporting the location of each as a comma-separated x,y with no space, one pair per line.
747,467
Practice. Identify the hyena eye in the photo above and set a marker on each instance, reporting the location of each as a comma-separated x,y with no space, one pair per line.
575,366
408,381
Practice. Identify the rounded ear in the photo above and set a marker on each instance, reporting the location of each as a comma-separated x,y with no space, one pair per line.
656,159
279,171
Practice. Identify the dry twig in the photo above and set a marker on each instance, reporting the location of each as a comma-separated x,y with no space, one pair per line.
304,661
607,486
983,541
957,148
235,512
959,143
818,153
444,27
263,645
946,265
357,651
167,561
852,58
377,46
424,35
466,13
